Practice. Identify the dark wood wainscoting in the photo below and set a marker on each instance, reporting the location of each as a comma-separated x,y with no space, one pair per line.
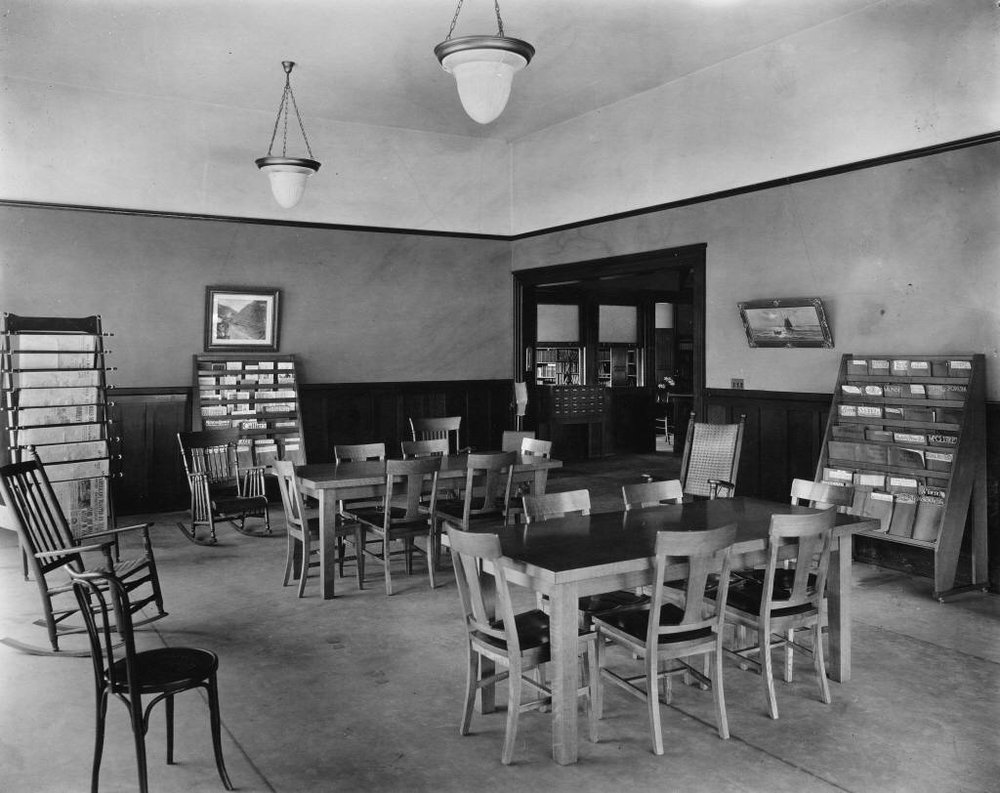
784,433
365,412
148,419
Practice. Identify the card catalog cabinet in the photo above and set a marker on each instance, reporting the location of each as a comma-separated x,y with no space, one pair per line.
54,386
256,394
908,432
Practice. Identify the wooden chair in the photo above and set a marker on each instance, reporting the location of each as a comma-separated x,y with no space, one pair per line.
577,502
675,631
121,672
785,598
50,549
302,531
346,530
530,447
652,494
222,486
358,452
822,495
435,447
426,429
711,458
510,441
518,643
401,516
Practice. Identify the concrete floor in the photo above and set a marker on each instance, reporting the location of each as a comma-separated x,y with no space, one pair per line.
363,693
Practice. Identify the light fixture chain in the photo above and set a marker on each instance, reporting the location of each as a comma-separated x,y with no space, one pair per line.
277,120
295,105
458,10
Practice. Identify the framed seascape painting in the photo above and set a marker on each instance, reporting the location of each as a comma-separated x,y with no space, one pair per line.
238,318
791,322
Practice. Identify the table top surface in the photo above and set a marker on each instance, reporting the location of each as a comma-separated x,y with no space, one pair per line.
610,538
372,472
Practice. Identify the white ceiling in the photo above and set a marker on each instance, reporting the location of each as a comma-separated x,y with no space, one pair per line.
372,61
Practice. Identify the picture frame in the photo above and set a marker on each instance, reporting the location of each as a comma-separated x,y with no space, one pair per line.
786,322
242,318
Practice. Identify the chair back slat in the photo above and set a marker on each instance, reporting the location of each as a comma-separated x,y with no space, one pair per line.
651,494
804,577
822,495
556,505
534,447
432,447
213,453
291,495
405,484
488,480
358,452
447,427
477,586
707,556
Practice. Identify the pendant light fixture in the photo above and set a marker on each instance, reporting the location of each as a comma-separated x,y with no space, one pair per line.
484,67
287,174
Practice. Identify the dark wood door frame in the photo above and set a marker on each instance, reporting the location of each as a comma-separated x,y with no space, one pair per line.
600,275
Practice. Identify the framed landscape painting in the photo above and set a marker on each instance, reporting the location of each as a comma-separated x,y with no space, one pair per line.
791,322
244,319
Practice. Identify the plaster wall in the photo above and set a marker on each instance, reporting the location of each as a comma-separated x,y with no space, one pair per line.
905,257
827,98
76,146
355,306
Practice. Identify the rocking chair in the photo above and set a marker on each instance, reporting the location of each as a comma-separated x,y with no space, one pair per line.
221,488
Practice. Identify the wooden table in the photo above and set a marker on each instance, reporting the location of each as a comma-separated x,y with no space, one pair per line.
333,482
569,557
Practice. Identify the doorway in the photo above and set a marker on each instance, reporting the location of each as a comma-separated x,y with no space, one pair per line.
674,276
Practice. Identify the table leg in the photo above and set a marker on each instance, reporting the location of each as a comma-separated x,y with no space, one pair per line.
563,635
327,542
488,694
838,598
541,479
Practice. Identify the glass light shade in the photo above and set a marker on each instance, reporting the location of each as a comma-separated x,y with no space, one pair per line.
288,177
484,68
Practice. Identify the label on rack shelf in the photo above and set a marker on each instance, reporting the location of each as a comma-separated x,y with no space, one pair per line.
878,366
910,437
959,368
234,366
848,410
942,439
916,391
900,368
893,390
903,484
920,368
839,475
857,366
851,390
894,412
873,390
869,411
939,461
869,480
265,364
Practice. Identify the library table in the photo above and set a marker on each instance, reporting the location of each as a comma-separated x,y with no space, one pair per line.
568,557
333,482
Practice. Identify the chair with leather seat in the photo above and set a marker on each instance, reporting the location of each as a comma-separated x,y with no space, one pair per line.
675,630
485,493
517,642
786,597
49,549
223,486
565,504
123,673
711,458
402,515
346,531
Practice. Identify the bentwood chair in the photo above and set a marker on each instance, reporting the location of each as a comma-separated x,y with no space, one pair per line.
675,630
577,502
425,429
518,642
223,487
711,458
401,515
121,672
788,596
50,549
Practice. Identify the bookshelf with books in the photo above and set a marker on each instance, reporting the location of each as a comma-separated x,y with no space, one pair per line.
257,394
55,396
908,432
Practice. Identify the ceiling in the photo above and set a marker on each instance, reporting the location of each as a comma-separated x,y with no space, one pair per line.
372,62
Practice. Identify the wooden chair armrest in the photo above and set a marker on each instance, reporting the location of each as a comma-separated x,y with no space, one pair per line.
120,530
719,488
75,549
